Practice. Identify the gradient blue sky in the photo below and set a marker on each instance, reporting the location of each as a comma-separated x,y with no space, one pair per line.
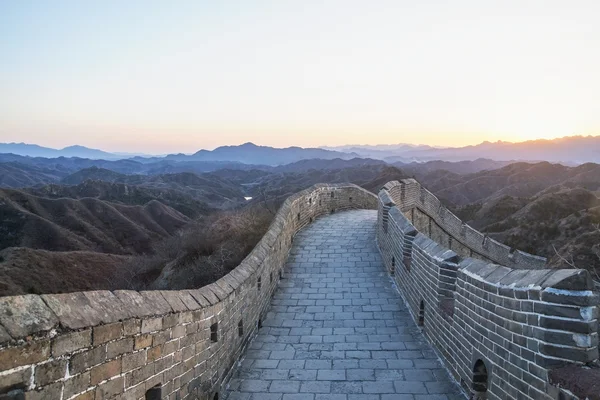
162,76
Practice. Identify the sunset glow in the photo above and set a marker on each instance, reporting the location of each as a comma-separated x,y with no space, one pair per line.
162,77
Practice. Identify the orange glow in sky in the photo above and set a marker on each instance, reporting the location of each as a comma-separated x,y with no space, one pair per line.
158,77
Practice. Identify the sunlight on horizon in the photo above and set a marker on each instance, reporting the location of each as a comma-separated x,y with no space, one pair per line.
145,76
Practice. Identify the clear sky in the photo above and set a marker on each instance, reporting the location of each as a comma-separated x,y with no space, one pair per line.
167,76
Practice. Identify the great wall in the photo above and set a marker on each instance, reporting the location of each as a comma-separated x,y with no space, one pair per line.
500,323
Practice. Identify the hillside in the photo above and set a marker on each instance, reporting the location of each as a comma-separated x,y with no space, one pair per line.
86,224
562,225
24,270
15,174
122,193
517,180
214,190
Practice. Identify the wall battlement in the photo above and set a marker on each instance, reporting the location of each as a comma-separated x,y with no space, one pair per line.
499,330
428,215
153,344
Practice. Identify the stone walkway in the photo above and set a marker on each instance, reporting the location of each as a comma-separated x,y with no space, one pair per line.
337,329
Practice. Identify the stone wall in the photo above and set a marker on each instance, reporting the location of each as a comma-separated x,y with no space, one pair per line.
499,330
429,216
153,344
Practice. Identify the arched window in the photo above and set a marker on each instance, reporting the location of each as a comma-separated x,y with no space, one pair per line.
480,380
422,313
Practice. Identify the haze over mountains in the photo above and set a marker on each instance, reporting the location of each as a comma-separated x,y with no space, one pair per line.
81,215
571,149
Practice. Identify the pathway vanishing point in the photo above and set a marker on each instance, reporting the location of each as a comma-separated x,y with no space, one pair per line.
337,329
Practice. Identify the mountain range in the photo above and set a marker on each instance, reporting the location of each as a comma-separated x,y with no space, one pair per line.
570,150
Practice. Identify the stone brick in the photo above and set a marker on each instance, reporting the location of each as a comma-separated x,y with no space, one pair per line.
151,325
105,371
134,360
50,372
142,341
49,392
15,380
87,359
161,337
118,347
24,315
132,326
106,333
70,342
29,353
155,353
139,375
74,310
76,384
109,389
89,395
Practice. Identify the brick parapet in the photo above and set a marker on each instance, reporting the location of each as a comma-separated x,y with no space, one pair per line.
443,226
519,323
180,344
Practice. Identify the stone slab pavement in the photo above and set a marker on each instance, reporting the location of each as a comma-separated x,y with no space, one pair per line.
337,329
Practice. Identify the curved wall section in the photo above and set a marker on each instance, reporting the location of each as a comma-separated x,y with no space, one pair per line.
429,216
499,330
153,344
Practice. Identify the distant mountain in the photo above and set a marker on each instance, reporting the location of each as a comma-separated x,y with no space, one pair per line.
15,174
400,152
570,149
458,167
33,150
336,163
249,153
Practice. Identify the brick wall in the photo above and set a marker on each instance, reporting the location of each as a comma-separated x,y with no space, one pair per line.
430,217
499,330
153,344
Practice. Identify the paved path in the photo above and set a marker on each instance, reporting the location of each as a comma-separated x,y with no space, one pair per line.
337,329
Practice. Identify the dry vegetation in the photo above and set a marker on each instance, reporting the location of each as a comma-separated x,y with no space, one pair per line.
201,253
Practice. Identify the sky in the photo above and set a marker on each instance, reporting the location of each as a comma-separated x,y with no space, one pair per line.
162,76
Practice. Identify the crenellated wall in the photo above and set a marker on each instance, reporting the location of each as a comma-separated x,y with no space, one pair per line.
499,330
153,344
429,216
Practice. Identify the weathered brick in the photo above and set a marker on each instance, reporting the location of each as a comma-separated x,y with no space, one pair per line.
139,375
89,395
134,360
76,384
68,343
15,380
29,353
151,325
82,361
118,347
161,337
106,333
25,315
105,371
111,388
142,341
132,326
155,353
170,320
50,372
178,331
46,393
